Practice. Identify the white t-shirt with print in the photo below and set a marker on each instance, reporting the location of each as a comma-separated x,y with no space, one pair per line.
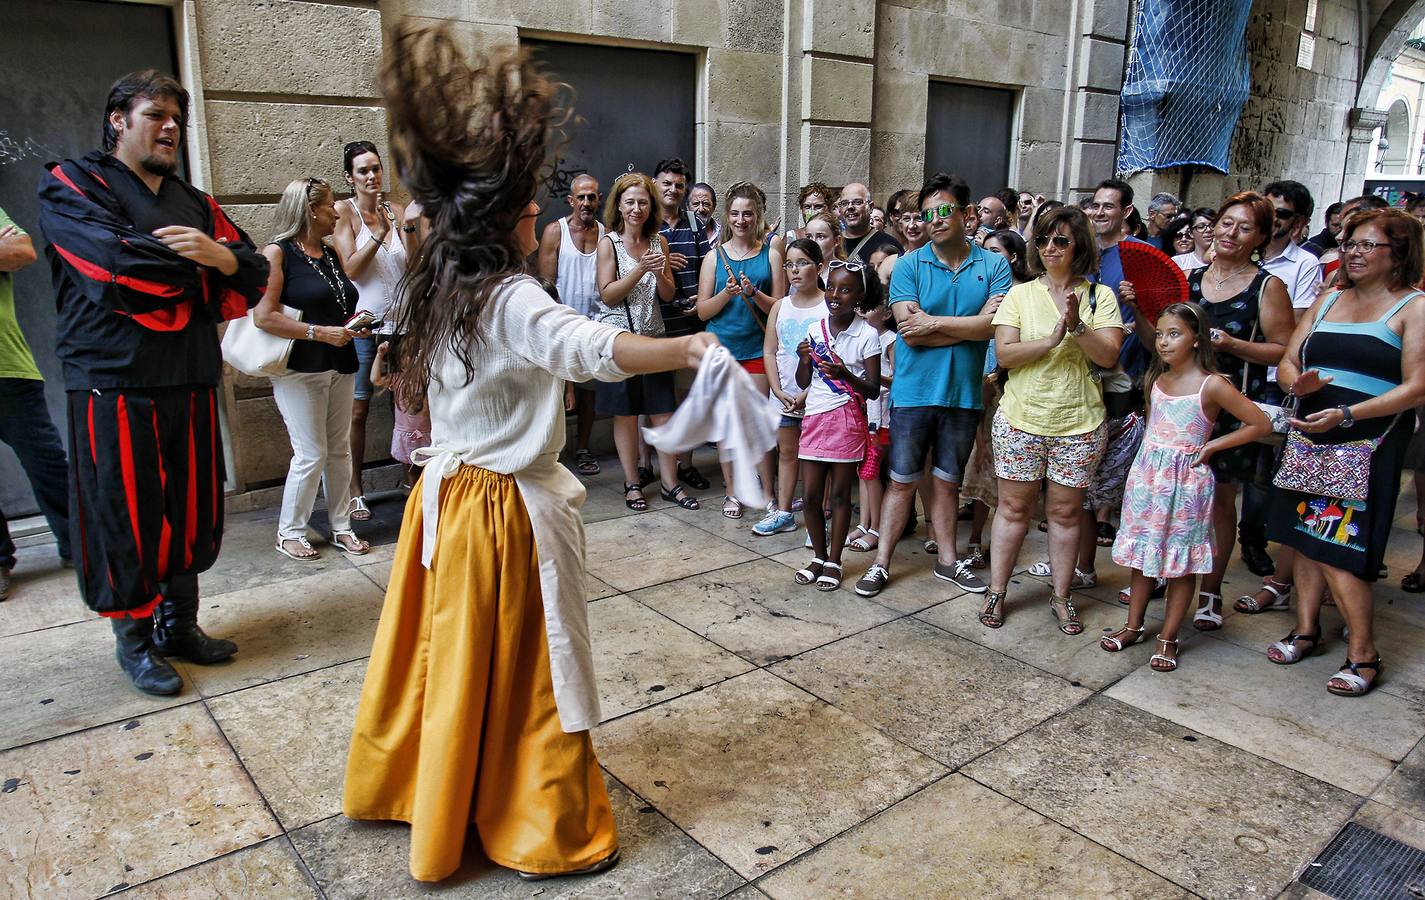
859,342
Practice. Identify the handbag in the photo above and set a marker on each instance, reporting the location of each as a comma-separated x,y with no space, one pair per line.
255,352
870,468
1342,471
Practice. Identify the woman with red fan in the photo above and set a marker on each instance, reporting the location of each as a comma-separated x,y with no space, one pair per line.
1251,321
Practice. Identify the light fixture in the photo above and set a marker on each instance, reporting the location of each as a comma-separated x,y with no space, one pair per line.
1382,146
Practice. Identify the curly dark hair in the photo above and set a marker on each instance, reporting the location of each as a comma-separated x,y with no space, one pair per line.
469,141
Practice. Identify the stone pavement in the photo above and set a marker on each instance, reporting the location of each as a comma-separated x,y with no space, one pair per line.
810,744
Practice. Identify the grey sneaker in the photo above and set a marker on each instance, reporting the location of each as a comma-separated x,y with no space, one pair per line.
4,584
962,576
873,581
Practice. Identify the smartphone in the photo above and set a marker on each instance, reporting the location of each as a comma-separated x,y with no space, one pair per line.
363,319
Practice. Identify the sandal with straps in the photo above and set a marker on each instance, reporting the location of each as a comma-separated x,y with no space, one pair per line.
357,547
1206,619
585,462
992,616
1279,602
637,504
357,509
1350,675
1161,662
806,575
312,554
861,546
1069,623
1116,642
677,495
731,509
1288,653
826,581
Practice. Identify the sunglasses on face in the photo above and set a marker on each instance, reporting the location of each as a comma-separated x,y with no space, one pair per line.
1284,214
943,211
1061,241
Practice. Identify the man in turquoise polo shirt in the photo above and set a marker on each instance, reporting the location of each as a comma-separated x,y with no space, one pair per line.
943,297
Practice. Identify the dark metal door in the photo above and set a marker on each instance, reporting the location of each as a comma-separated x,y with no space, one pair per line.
967,133
634,108
61,57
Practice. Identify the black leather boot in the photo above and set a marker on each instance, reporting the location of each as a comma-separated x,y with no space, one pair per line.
134,649
176,632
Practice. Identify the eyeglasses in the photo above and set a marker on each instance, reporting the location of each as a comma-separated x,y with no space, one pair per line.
856,203
1061,241
792,265
1202,227
943,211
1366,247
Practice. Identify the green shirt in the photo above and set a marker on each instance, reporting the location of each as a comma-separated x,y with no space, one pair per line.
16,361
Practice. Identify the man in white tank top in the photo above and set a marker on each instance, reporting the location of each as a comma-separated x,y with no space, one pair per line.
567,252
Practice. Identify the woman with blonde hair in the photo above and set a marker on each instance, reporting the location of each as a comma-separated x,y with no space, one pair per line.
633,274
315,397
737,288
480,692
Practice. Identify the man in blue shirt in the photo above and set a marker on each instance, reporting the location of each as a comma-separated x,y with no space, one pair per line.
943,296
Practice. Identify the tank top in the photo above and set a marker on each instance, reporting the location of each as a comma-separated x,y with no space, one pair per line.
577,276
735,325
1239,316
378,283
307,287
1177,420
640,308
792,324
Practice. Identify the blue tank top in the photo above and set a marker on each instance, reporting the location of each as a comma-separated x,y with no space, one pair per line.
735,326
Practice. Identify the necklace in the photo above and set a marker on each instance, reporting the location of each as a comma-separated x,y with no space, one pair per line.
1223,279
333,280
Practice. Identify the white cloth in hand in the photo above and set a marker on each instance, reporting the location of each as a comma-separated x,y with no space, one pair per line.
725,407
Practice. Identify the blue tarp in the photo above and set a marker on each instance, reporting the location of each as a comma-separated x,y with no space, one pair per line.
1186,83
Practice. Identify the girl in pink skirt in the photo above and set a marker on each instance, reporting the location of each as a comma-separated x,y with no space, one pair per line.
839,365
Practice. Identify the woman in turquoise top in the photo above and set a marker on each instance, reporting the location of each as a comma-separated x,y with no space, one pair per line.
736,289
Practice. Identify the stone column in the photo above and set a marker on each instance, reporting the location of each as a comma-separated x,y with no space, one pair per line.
836,74
1095,83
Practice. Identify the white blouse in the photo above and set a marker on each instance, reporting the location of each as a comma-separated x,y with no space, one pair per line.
509,418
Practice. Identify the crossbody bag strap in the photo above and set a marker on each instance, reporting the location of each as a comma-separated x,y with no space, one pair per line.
617,275
758,316
856,250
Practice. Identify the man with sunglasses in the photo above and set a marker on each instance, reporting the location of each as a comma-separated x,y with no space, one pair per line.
943,296
854,208
566,258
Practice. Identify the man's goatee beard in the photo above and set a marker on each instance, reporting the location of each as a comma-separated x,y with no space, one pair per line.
158,166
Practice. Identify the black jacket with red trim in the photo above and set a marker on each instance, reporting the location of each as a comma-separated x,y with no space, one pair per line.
132,313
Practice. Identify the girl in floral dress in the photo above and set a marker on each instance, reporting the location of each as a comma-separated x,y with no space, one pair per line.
1167,505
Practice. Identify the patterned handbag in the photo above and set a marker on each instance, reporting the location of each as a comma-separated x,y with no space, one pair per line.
1340,471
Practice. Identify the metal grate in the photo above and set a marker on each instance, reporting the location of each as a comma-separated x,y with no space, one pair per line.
1361,864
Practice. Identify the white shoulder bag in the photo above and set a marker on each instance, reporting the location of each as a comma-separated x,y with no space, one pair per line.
253,351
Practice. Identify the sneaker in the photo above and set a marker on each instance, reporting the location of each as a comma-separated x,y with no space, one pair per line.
976,559
873,581
775,522
4,583
962,576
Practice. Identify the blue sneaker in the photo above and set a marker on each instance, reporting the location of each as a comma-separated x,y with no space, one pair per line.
775,522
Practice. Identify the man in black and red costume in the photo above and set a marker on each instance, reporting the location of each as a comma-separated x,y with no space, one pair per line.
145,267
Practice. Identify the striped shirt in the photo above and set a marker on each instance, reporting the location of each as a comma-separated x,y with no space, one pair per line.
683,238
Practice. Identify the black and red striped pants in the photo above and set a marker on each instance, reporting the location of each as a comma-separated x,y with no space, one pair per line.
145,484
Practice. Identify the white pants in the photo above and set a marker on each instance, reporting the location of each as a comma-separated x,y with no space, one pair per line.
317,409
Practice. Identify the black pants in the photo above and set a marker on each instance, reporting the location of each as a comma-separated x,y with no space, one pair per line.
146,480
26,426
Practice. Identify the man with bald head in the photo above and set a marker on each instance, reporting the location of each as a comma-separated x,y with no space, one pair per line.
861,239
567,251
993,216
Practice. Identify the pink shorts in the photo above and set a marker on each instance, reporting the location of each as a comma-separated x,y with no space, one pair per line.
838,435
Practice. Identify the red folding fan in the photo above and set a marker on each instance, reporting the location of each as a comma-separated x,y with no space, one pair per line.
1156,279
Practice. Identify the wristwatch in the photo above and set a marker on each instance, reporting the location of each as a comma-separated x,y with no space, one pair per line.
1079,329
1348,420
311,332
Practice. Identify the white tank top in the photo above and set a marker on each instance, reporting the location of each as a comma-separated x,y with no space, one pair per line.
792,323
377,285
577,278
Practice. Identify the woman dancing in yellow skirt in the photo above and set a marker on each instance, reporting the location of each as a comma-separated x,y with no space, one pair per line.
480,691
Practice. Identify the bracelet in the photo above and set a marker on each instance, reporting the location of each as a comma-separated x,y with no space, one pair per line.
311,332
408,229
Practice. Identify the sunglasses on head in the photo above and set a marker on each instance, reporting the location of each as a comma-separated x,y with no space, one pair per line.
1061,241
850,265
943,211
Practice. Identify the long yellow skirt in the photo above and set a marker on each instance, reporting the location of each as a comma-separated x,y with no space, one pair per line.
457,722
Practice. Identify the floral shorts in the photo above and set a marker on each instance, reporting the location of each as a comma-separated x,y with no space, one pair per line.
1070,460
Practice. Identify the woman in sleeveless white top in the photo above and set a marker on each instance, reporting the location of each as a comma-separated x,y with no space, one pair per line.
375,267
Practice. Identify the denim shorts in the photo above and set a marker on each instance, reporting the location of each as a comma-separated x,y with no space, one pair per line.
365,356
943,434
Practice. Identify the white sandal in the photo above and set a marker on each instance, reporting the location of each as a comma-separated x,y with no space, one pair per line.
826,582
805,575
1113,643
860,545
1170,663
1081,578
362,548
306,545
357,509
854,534
1205,619
1280,602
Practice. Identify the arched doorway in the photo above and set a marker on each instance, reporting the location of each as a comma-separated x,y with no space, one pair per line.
1393,148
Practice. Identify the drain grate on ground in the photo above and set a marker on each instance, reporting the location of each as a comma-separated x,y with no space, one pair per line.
1361,864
